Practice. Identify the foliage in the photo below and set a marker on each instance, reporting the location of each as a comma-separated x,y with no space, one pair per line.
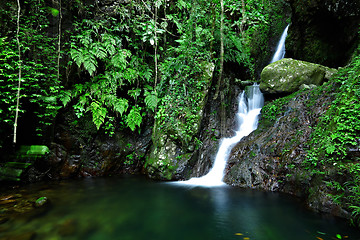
40,85
97,50
272,110
124,63
336,135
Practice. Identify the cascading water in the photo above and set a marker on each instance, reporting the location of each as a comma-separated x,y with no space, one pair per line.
280,50
247,118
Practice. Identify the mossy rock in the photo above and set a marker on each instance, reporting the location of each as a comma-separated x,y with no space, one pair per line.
288,75
173,137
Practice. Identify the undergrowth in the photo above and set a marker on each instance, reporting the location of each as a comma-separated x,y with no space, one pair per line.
335,141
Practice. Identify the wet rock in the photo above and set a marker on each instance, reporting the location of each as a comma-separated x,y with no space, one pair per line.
271,158
41,202
289,75
323,31
173,139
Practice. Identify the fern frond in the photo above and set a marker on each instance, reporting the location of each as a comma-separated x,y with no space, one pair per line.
90,63
98,113
134,118
151,101
120,105
66,97
77,56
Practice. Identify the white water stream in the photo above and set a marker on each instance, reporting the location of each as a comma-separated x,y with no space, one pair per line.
280,50
247,119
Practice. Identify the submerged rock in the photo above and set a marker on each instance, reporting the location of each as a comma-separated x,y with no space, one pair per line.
42,201
288,75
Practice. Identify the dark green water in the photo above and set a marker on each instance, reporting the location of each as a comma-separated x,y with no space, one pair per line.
134,208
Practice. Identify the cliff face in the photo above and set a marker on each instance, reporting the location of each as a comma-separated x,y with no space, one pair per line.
323,32
272,157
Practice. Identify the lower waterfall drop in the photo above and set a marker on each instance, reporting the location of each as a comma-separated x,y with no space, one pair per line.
247,118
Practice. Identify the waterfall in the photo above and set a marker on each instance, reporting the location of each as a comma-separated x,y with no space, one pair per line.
247,119
280,49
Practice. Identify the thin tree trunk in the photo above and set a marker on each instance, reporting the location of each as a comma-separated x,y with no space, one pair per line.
19,64
243,20
59,42
212,30
155,46
221,50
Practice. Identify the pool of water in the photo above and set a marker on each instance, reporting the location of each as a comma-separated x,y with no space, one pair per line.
135,208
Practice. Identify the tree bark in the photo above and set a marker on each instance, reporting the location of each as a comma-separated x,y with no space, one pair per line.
221,50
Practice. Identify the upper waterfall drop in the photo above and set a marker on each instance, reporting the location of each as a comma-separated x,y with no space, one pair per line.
280,49
247,120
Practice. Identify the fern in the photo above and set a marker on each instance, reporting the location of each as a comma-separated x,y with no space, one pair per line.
90,63
66,97
98,113
99,51
109,43
77,57
151,100
120,105
134,118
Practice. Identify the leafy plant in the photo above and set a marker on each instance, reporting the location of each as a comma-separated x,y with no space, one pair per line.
336,134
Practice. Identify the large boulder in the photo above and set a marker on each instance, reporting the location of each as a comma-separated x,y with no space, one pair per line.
288,75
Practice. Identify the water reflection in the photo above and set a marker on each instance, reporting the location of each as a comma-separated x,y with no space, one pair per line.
267,216
134,208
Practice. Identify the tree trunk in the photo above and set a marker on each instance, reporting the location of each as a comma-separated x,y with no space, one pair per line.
59,42
19,64
155,46
221,50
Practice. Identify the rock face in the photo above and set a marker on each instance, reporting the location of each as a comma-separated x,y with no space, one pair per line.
173,146
288,75
323,31
271,158
79,150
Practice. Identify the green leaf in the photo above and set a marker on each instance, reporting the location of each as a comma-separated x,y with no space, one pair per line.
121,105
77,57
151,101
66,98
100,52
90,64
98,113
134,118
134,93
53,11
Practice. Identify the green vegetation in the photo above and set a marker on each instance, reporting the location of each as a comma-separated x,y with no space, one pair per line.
121,65
155,61
271,111
334,144
39,84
